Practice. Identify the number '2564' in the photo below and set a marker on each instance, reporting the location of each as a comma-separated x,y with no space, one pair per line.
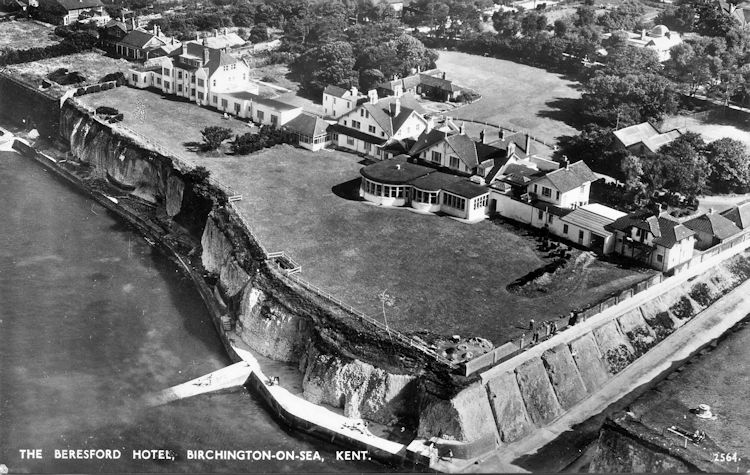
726,457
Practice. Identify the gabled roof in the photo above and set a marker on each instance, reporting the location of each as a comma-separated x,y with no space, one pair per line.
739,214
228,40
465,148
116,24
667,231
714,224
78,4
437,82
646,134
570,177
381,113
426,140
335,91
307,124
272,103
635,133
138,39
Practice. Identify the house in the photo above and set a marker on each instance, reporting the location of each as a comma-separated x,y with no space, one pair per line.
431,84
311,131
643,139
226,40
658,39
373,124
397,182
259,109
140,45
456,152
711,229
566,187
196,72
66,12
115,30
338,101
739,214
738,11
585,226
655,239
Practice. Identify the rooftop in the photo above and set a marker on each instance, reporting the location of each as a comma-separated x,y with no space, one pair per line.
667,231
570,177
307,124
739,214
593,217
396,171
647,134
714,224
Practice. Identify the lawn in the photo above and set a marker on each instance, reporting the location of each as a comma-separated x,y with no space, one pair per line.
93,66
711,128
170,123
445,276
513,95
26,34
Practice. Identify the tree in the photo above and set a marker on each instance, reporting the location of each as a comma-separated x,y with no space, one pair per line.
259,33
370,78
214,135
328,64
680,166
632,170
730,166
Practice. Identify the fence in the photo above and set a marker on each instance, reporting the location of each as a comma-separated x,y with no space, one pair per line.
514,347
498,126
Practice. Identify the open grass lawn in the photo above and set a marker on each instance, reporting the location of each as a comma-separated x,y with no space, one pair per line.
711,128
173,124
26,34
513,95
92,65
445,276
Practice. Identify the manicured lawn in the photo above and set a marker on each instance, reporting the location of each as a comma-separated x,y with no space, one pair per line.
710,128
26,34
173,124
513,95
93,66
445,276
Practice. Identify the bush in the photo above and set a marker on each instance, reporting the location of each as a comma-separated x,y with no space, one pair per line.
214,136
106,110
265,138
118,77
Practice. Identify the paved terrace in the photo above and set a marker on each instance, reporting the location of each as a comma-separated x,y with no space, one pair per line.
444,276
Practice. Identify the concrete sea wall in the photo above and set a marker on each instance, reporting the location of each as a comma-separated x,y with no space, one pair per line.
533,389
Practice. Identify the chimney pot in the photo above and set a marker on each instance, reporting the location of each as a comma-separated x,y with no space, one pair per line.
482,136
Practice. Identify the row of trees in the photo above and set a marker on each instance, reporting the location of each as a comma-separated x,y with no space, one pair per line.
75,42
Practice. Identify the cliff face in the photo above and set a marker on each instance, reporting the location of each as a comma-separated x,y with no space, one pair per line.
109,155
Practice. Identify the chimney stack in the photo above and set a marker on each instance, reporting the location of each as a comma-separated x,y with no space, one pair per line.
565,161
462,129
482,137
443,74
184,49
156,30
395,108
216,33
372,94
206,52
354,92
643,34
528,144
197,36
501,134
711,211
225,31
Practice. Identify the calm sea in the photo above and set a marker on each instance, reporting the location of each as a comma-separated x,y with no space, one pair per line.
91,318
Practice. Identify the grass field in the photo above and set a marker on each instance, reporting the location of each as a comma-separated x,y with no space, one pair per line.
711,128
446,277
26,34
93,66
513,95
170,123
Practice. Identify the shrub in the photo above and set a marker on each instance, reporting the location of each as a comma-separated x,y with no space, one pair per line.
214,136
265,138
106,110
118,77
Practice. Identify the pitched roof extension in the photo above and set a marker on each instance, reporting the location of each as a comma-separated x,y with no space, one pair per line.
713,224
307,124
739,214
570,177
